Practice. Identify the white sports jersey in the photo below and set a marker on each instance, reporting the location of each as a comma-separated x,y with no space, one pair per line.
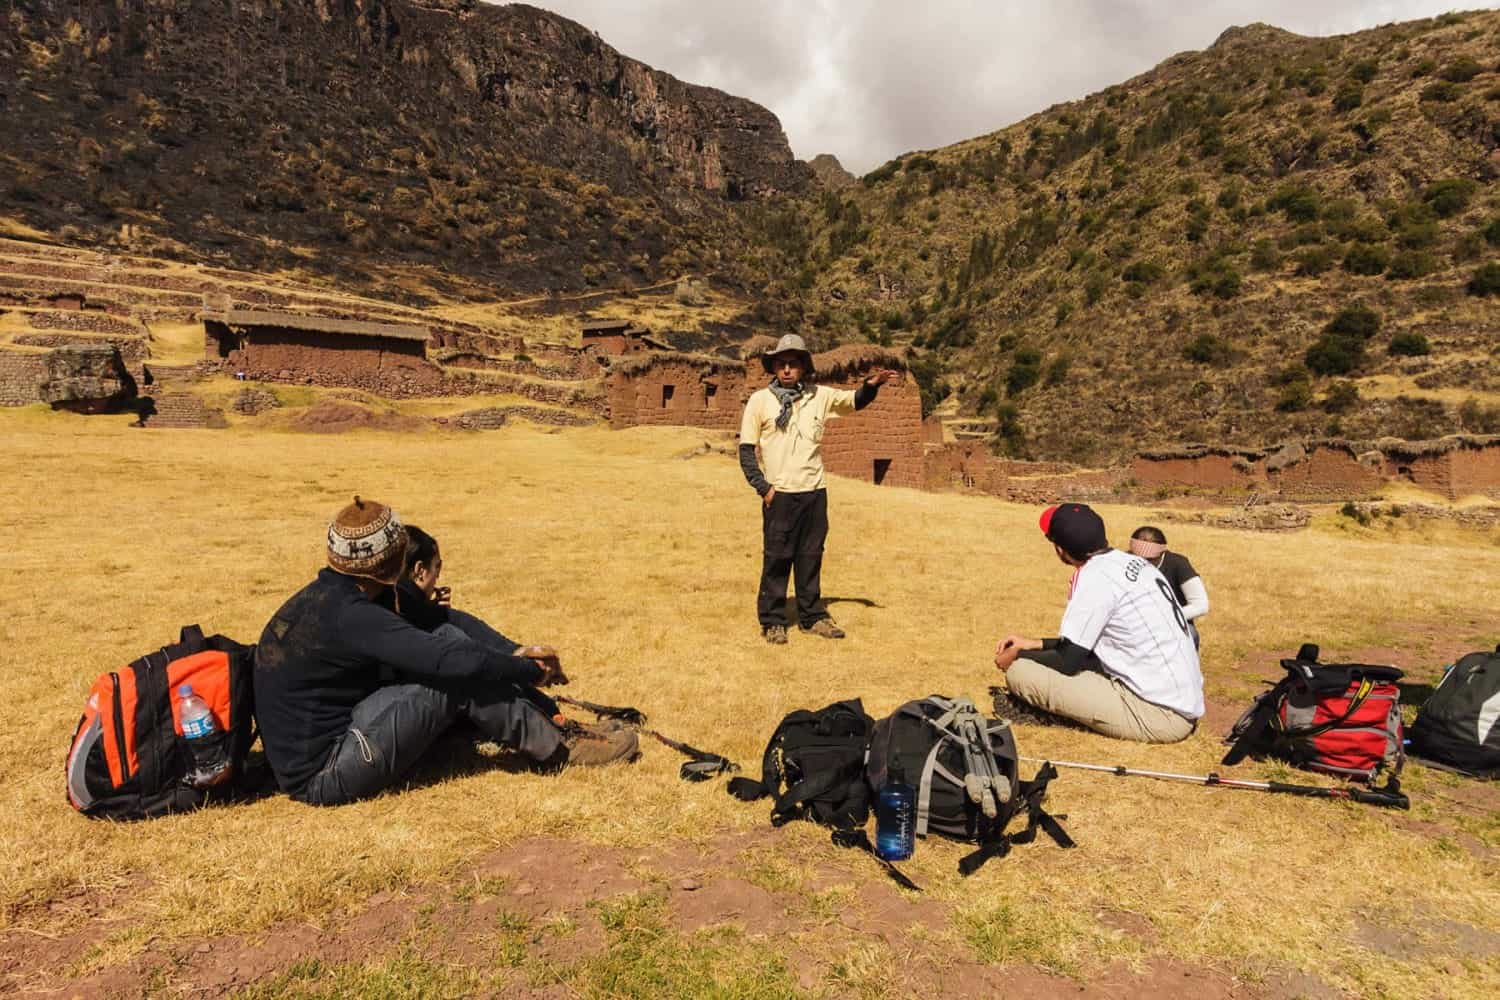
1124,610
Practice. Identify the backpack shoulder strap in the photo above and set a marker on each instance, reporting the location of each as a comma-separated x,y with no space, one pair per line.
997,844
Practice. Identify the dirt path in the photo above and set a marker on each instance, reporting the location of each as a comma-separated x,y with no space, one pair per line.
539,907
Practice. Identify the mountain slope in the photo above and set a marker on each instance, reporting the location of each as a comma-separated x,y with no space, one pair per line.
1162,261
506,146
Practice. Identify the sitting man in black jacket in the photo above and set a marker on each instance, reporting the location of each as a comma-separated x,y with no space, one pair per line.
335,729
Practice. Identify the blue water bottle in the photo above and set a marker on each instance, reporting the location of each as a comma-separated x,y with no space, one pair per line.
895,816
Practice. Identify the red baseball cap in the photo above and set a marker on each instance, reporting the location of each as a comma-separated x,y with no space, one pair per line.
1045,522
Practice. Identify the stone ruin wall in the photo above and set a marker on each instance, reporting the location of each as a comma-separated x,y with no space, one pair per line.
970,466
888,430
639,398
1327,473
21,376
183,410
1212,472
132,349
1475,471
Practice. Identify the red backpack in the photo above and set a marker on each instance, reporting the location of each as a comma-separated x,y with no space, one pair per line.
1339,718
129,759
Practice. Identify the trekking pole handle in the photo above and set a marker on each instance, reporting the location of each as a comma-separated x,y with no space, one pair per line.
1391,800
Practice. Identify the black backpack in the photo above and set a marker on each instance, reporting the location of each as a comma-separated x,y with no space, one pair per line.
1459,726
966,771
128,758
814,766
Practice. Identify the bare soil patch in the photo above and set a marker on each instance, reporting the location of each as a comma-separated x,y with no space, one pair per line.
331,416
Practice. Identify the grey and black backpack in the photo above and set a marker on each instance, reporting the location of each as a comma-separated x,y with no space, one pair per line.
1459,725
966,772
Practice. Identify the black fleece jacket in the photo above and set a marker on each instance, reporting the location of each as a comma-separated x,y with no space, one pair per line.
323,652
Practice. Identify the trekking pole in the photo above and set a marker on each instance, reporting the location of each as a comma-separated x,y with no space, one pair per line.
703,765
1390,796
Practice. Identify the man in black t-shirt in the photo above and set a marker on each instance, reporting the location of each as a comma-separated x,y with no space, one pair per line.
1150,543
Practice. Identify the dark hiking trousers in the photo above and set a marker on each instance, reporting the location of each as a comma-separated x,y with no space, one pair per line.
794,529
393,727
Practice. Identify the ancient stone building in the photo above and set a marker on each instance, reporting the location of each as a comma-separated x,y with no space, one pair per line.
386,358
671,389
614,337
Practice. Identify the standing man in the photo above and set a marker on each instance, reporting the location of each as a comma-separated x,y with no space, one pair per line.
786,420
1123,663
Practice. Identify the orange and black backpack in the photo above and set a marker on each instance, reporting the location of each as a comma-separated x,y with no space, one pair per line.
129,759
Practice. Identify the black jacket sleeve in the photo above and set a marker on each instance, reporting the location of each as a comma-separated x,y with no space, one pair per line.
391,640
481,632
865,395
751,468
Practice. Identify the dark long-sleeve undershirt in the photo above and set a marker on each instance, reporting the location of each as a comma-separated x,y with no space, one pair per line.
1068,657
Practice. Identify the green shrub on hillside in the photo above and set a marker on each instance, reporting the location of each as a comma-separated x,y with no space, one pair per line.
1461,70
1094,286
1366,259
1492,232
1296,388
1415,225
1264,256
1025,371
1423,67
1349,96
1057,370
1214,275
1486,280
1364,71
1298,202
1341,397
1063,311
1409,344
1208,349
1355,320
1440,92
1449,197
1313,261
1333,354
1144,271
1409,264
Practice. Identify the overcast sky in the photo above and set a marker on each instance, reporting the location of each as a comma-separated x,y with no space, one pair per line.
867,80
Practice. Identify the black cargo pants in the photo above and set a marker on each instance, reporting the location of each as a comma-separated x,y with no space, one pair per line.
794,528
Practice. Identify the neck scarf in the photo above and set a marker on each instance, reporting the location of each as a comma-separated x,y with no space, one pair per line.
786,397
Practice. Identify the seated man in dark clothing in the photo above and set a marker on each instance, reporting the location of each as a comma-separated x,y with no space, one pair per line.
335,732
430,608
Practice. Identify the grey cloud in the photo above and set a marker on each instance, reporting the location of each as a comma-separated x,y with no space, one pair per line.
870,80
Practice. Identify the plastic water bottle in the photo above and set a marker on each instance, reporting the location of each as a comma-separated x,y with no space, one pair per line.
895,817
210,763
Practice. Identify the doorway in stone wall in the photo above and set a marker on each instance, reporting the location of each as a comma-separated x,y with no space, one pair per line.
882,466
666,395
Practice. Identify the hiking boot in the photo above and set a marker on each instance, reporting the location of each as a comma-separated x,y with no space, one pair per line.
774,634
824,628
1016,711
594,745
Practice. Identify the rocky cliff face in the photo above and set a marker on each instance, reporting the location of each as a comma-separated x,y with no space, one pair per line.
509,144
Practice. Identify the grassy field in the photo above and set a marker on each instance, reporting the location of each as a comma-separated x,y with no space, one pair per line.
640,564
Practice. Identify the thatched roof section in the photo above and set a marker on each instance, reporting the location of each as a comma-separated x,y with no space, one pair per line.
1391,447
1188,451
637,364
251,318
852,358
1397,448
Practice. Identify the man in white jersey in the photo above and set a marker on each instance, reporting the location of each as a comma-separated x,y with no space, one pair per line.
1124,662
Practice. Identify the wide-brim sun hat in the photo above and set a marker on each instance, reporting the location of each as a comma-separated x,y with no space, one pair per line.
789,344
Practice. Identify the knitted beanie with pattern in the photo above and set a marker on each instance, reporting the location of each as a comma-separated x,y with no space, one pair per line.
367,539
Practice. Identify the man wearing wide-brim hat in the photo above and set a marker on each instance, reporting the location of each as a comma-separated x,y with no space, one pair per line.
785,420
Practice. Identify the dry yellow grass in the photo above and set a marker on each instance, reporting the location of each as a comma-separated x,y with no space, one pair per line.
641,566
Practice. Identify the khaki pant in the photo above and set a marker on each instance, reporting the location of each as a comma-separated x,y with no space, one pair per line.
1104,704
